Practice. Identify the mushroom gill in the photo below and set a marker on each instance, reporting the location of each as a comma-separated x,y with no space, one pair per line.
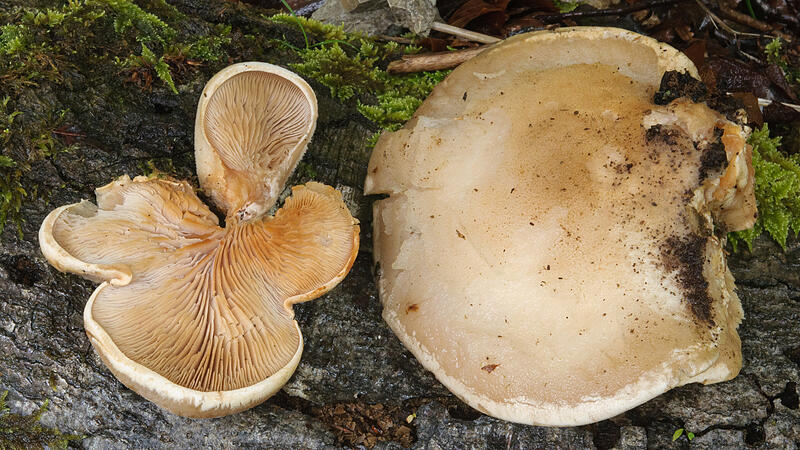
251,130
564,233
195,317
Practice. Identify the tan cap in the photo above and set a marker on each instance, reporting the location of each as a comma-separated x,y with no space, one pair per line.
548,256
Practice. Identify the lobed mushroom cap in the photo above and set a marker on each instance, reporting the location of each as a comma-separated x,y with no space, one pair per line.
194,317
538,251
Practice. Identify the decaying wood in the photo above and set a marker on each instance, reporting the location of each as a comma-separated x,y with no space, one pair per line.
719,23
751,22
432,61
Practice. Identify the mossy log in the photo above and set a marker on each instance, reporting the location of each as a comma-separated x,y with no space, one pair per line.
83,103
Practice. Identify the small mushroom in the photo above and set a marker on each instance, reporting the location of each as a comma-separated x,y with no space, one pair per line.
195,317
254,121
551,247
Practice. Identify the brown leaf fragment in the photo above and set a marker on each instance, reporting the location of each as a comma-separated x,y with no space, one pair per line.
473,9
489,368
735,76
750,103
696,51
778,113
778,78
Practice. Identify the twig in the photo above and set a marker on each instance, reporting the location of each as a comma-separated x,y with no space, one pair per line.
67,133
752,22
719,23
750,57
464,34
764,102
744,19
399,40
604,12
432,61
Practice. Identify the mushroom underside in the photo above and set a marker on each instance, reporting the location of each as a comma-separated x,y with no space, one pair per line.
254,121
193,316
203,308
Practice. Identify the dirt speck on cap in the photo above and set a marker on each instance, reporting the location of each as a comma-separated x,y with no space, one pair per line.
686,256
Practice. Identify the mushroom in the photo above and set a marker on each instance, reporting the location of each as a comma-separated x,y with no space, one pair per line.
551,247
196,317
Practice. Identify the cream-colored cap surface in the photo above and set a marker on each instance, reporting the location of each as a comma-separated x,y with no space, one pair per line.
548,256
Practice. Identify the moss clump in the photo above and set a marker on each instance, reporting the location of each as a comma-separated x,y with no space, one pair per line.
320,31
208,48
777,55
18,432
401,96
354,66
777,189
149,59
117,40
11,190
158,168
130,20
38,42
345,74
306,171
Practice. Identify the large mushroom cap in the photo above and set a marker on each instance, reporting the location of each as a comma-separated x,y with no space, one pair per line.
195,317
548,247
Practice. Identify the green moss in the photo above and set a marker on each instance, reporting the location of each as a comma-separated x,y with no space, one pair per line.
18,431
306,171
36,41
777,55
131,20
163,9
344,74
158,168
401,97
773,50
566,6
12,195
354,66
777,189
321,31
159,65
13,40
23,147
54,40
6,119
11,190
210,48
